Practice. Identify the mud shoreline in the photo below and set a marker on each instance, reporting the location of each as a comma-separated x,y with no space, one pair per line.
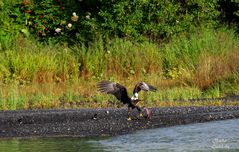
102,122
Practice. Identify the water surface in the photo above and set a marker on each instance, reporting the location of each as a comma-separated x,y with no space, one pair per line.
211,136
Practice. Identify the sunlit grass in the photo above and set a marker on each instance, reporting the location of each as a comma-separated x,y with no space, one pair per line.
200,65
85,95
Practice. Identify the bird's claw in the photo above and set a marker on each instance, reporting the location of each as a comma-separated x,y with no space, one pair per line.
129,118
148,112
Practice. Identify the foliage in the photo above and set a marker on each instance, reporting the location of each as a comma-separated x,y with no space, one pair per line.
46,18
155,18
9,30
229,12
133,19
84,21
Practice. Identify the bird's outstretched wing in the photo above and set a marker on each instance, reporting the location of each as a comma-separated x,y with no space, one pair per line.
115,89
143,86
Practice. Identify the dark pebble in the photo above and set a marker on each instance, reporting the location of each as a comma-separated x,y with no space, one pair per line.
97,122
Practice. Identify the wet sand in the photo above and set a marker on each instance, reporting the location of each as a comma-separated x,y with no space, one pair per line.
102,122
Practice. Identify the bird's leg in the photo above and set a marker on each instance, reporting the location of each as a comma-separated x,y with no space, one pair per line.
148,112
139,110
129,113
135,105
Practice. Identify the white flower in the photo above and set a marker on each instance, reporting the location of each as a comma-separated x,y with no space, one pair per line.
87,16
69,25
74,14
58,30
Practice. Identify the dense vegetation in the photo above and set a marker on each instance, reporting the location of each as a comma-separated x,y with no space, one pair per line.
53,52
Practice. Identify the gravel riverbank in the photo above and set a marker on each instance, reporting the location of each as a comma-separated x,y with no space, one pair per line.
102,122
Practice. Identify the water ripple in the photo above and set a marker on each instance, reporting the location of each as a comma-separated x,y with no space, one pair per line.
212,136
217,136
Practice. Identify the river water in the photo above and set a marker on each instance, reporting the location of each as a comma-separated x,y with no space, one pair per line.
213,136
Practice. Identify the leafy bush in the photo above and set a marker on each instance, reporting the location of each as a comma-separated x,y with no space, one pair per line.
229,12
123,18
157,19
46,18
9,30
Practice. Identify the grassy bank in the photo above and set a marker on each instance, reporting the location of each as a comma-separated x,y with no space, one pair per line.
202,64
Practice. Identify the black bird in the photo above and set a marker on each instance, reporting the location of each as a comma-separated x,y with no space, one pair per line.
120,92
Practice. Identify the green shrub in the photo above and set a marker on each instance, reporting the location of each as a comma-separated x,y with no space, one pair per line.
73,20
157,19
229,12
45,18
9,30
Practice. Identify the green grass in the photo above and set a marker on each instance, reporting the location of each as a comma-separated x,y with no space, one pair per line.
49,97
202,64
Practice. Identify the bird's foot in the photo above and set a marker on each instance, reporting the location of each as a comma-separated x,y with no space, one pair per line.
139,117
129,118
148,113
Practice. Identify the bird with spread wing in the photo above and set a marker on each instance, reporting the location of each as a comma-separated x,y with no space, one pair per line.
120,92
